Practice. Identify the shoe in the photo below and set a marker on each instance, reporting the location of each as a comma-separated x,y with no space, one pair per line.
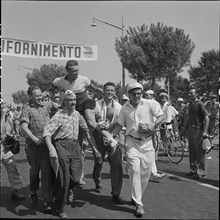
71,196
139,211
117,200
98,189
198,176
47,207
16,195
34,197
63,215
191,173
133,202
81,182
157,177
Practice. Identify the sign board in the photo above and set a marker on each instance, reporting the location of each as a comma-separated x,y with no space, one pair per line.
40,50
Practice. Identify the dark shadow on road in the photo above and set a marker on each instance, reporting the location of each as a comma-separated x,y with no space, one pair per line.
90,196
26,206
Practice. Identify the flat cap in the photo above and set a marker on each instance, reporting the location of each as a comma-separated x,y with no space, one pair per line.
180,99
135,86
69,94
124,97
163,94
150,92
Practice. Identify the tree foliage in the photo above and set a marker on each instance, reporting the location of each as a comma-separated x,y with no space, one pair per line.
44,76
154,53
205,76
20,97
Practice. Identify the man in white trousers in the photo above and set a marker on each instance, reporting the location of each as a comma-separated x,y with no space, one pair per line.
137,115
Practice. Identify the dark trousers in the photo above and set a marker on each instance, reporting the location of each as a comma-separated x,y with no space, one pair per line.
38,158
197,155
115,162
70,169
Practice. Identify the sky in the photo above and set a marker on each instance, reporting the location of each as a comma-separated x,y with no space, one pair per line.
70,22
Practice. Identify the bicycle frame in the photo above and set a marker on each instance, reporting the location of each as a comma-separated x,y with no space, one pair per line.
171,145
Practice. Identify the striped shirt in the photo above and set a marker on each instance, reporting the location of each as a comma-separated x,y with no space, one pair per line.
64,126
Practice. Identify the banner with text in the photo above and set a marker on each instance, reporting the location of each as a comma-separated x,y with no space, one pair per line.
33,49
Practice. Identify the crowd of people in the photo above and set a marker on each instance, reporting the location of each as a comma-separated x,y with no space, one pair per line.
58,130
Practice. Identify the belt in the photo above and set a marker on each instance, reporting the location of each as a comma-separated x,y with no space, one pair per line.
139,139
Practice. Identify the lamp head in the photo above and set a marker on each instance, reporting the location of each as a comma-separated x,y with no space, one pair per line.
94,23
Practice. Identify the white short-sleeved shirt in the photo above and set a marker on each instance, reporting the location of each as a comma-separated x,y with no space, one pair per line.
145,112
77,86
169,111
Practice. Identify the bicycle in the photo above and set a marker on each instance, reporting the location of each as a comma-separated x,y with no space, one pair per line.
170,144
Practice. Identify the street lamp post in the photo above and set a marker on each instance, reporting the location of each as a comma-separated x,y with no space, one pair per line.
94,24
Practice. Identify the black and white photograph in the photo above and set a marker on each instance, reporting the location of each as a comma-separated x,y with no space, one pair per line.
109,109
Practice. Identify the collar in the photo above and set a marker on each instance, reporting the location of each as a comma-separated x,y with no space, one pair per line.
129,103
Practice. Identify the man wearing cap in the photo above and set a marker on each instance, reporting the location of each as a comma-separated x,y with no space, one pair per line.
149,94
33,118
63,128
124,99
137,116
7,157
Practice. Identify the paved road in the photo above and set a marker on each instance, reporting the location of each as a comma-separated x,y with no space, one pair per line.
175,197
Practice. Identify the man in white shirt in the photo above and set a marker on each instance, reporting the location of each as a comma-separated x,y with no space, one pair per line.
137,115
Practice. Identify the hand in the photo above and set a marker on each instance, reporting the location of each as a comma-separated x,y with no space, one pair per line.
205,135
53,153
101,125
38,141
151,126
142,127
98,157
97,154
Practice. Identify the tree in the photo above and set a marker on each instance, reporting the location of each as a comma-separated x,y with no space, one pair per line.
44,76
154,54
20,97
205,76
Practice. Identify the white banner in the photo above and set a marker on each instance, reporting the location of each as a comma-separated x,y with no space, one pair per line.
33,49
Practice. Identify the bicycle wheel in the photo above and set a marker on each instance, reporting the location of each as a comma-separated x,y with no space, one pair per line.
175,149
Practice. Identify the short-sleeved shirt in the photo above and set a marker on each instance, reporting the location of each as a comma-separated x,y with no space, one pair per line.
197,114
78,86
36,117
145,112
64,126
214,110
